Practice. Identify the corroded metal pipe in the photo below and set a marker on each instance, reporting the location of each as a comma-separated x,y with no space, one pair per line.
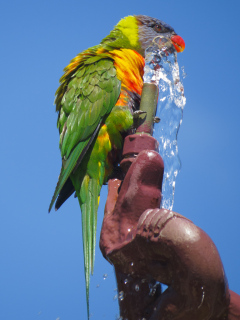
148,245
148,105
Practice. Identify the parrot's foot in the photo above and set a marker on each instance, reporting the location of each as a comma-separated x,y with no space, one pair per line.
137,113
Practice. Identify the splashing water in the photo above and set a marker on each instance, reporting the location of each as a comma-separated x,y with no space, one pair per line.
161,68
137,287
105,276
121,295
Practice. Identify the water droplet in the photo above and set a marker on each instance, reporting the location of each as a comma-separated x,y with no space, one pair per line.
98,285
184,74
153,289
163,99
115,297
152,292
121,295
125,281
132,264
136,287
105,276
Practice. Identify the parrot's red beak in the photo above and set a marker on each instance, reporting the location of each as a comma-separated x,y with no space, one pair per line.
178,43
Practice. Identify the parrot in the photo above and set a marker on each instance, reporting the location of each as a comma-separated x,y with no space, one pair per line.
99,93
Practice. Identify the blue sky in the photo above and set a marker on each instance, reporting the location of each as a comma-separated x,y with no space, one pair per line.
41,270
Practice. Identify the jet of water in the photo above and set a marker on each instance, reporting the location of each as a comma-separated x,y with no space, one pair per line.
161,68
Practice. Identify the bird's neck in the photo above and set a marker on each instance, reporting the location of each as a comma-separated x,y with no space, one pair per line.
129,65
124,35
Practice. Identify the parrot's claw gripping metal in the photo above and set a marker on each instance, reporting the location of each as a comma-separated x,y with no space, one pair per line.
137,113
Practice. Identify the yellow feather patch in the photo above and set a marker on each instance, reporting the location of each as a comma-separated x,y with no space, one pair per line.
104,139
129,28
100,50
129,65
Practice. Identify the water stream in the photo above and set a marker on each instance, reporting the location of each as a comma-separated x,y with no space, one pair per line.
161,68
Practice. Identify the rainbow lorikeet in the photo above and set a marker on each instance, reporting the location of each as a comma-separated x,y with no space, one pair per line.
98,95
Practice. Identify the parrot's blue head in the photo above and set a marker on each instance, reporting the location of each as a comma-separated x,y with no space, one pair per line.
137,33
149,28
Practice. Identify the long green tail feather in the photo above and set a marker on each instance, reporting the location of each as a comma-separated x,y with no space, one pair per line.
94,206
88,199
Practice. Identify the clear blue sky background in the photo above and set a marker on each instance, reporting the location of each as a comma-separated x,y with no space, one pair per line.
41,269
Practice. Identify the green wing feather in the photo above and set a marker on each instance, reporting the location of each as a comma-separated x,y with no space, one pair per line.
91,93
84,99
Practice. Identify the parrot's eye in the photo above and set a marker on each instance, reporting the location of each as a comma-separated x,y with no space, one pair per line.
157,28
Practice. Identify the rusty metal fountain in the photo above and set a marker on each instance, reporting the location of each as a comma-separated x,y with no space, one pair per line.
149,246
